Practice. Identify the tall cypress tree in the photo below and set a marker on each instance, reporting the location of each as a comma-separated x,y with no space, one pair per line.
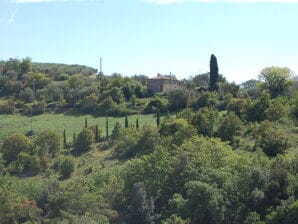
96,134
126,122
157,118
137,123
86,122
107,127
64,138
213,74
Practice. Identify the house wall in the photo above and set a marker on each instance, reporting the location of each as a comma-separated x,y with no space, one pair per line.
162,85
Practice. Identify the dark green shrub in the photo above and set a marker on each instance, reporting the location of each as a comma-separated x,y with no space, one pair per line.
83,140
66,166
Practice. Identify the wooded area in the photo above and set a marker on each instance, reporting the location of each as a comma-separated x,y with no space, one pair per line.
212,151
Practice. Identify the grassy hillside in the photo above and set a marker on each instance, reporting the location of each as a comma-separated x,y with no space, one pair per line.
71,123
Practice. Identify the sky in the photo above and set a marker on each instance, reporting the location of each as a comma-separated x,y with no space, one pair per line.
154,36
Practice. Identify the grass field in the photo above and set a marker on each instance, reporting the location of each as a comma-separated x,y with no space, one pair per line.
59,122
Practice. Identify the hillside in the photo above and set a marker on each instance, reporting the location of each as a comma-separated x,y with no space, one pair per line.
105,150
56,69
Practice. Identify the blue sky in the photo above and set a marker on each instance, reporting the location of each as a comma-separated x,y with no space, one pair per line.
154,36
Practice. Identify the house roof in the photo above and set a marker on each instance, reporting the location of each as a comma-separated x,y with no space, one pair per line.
163,77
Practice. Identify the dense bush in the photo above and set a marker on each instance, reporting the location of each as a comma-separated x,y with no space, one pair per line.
83,140
230,127
13,145
66,166
271,140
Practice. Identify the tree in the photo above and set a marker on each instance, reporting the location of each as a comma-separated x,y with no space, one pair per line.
176,130
174,219
137,123
126,92
97,137
256,109
64,139
205,204
89,103
230,127
275,111
157,118
84,140
204,120
178,99
13,145
48,142
276,79
213,86
107,127
116,133
26,94
271,140
142,207
126,122
86,122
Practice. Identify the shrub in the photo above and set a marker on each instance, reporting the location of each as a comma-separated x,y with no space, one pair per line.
48,142
230,127
84,140
271,140
13,145
66,166
204,120
275,111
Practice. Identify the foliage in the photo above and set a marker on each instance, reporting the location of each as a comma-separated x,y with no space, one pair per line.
230,127
207,99
213,85
174,219
204,120
275,111
66,166
205,201
56,70
175,173
142,208
276,80
256,109
13,145
176,130
49,143
84,140
178,99
271,140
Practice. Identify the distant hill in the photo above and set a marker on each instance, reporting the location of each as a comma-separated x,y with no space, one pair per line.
55,69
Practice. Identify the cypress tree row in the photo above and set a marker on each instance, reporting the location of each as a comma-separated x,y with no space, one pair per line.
213,74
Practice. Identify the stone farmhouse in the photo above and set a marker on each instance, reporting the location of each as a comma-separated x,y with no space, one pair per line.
163,83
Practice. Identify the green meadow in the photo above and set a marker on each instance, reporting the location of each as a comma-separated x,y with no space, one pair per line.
71,123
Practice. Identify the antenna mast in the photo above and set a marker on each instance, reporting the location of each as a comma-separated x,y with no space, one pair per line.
100,68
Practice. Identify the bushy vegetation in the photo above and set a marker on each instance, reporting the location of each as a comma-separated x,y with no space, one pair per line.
223,156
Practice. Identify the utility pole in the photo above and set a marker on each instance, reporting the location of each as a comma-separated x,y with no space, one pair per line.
100,74
100,66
